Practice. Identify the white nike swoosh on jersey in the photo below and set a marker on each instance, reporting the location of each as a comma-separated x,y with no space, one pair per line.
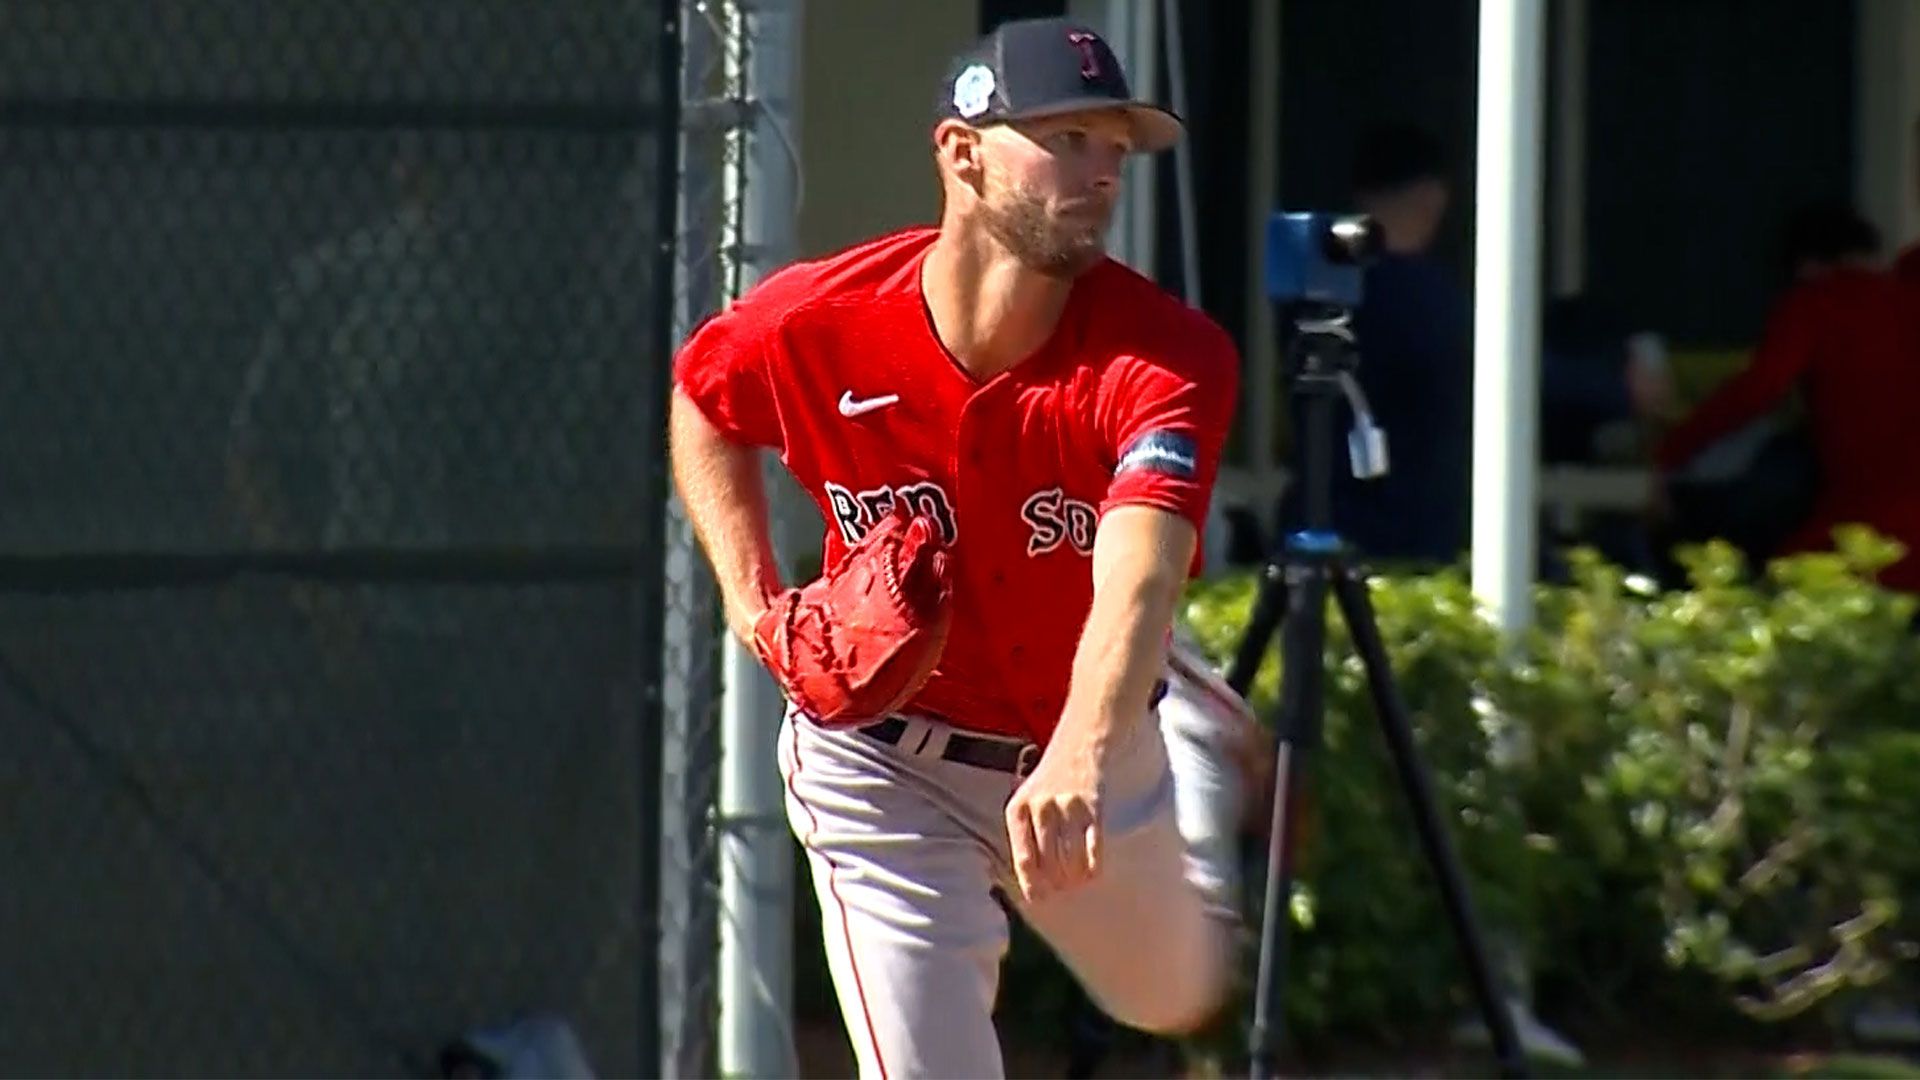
850,407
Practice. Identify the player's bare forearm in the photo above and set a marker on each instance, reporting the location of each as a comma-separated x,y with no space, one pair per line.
1140,560
719,483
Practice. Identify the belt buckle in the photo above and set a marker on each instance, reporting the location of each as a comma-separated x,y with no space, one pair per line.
1026,760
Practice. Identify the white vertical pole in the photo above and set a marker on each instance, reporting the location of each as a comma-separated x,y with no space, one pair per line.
1506,307
1570,147
756,860
1887,97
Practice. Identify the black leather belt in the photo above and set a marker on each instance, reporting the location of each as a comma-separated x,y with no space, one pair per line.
979,751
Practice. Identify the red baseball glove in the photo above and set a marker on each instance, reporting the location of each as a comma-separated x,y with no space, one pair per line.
853,645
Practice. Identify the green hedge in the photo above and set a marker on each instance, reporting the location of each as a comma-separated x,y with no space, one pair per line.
1687,806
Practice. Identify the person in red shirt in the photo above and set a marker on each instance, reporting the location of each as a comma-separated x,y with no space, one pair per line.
1846,335
1060,418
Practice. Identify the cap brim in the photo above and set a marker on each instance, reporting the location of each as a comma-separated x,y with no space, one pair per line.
1154,128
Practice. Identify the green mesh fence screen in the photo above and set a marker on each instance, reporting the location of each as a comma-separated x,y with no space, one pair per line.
332,362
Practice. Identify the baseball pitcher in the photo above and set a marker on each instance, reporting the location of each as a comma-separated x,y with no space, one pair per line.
1014,440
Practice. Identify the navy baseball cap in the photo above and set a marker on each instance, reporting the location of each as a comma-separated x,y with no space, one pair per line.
1029,68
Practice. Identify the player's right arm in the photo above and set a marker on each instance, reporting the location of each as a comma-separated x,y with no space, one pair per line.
721,415
720,486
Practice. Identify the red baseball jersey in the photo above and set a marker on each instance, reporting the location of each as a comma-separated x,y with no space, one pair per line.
835,364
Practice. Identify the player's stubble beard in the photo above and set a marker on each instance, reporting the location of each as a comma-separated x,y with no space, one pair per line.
1016,216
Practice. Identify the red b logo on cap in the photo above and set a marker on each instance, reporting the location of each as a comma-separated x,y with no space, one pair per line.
1089,59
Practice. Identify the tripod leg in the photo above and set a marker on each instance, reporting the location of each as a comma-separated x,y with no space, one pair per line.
1269,605
1357,609
1297,728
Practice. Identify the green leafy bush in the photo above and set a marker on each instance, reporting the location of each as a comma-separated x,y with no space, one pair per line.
1653,793
1749,785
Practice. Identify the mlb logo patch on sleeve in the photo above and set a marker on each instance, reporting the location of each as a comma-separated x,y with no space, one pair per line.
1161,450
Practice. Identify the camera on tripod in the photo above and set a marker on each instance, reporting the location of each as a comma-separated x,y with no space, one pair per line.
1315,269
1315,265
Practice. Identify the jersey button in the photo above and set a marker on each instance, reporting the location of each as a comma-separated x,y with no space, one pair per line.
999,577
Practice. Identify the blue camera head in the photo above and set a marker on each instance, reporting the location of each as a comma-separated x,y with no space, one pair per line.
1318,257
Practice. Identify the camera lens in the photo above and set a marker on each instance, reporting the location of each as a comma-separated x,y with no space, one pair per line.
1353,240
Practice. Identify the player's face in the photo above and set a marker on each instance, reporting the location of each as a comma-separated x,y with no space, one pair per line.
1050,187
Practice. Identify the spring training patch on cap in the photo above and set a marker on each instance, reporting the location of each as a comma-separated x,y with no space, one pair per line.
973,91
1161,451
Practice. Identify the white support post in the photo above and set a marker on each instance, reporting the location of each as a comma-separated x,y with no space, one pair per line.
756,858
1507,307
1887,96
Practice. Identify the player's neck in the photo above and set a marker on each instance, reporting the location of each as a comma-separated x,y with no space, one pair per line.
989,311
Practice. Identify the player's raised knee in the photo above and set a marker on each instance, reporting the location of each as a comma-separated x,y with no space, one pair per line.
1180,1003
1177,1015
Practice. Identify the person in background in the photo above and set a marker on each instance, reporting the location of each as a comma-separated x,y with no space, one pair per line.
340,437
1413,327
1846,336
1597,374
1605,389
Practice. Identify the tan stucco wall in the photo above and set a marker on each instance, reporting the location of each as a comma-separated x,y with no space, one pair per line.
868,73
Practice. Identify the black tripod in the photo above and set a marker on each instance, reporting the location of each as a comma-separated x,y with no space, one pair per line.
1294,593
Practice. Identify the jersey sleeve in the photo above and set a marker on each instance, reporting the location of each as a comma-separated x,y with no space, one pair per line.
1165,424
1786,350
723,368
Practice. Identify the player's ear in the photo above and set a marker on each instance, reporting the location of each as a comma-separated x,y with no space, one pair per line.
956,145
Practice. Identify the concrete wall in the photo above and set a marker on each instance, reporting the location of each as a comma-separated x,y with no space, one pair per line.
868,76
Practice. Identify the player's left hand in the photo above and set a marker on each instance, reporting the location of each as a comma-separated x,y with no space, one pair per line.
1053,819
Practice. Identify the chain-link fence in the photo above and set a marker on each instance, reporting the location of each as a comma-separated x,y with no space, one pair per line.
331,511
727,903
704,276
